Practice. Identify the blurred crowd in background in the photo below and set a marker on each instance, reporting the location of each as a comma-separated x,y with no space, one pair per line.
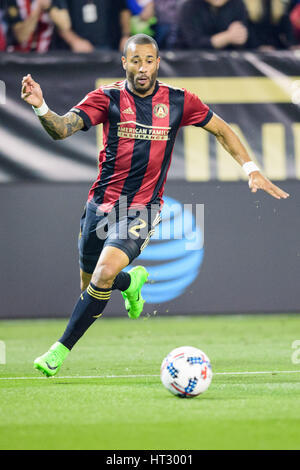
84,26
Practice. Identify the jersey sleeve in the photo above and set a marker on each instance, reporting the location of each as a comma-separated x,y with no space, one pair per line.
195,112
93,109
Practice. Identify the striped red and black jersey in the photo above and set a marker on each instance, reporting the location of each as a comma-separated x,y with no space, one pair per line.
138,139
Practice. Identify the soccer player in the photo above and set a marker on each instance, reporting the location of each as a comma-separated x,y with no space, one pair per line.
141,117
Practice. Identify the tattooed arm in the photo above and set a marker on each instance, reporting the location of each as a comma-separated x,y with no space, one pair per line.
58,127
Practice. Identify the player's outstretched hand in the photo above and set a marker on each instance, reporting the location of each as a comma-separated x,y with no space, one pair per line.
258,181
31,92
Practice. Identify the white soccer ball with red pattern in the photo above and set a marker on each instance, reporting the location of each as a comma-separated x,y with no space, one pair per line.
186,372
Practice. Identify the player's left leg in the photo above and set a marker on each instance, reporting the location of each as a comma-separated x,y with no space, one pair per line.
122,281
129,283
131,233
90,247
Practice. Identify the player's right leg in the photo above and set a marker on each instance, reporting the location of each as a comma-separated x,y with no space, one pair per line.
88,308
90,247
100,273
99,282
85,279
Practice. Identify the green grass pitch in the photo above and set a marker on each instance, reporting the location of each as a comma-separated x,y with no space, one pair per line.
108,393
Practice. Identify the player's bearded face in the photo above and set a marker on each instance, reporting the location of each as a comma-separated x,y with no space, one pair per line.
141,82
142,68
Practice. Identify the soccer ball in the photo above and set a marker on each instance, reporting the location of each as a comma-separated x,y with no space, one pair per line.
186,372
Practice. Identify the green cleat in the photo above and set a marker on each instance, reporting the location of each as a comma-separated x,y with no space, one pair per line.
134,301
50,363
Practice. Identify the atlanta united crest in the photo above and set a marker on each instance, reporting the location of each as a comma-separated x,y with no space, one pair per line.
161,110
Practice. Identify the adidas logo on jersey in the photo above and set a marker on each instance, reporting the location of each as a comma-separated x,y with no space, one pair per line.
128,111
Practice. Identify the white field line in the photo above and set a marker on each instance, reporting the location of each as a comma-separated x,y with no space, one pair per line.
146,375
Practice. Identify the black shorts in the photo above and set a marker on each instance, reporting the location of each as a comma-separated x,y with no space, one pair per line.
130,232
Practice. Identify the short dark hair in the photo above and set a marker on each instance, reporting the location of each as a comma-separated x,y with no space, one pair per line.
140,39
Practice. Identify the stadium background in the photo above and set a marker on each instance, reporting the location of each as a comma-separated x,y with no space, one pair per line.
251,259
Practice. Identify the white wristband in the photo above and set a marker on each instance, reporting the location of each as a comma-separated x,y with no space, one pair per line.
249,167
42,110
